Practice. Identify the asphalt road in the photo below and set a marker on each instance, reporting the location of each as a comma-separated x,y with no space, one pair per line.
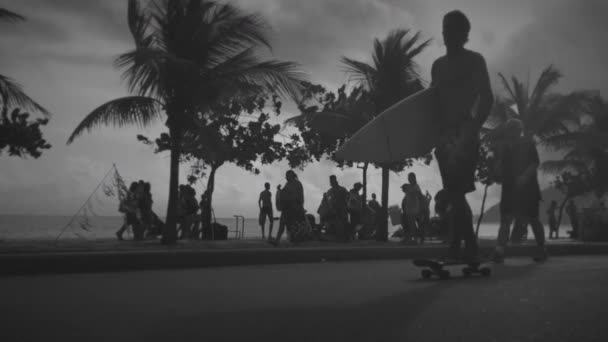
564,299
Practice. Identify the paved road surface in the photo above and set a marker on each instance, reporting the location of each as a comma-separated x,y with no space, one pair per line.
564,299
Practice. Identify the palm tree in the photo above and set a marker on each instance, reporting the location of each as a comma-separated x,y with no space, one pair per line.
585,147
189,55
544,114
11,93
391,76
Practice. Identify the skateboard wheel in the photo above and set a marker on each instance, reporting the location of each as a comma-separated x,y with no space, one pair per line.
485,271
444,274
426,274
467,272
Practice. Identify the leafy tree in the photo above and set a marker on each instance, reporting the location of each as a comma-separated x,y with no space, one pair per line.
326,121
571,185
585,148
544,114
392,76
237,132
11,93
189,56
21,136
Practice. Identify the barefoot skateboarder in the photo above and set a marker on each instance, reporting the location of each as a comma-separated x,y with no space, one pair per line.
462,81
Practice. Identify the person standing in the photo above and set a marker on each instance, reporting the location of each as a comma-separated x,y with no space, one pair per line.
292,204
206,217
265,205
337,199
572,212
520,196
551,217
461,80
128,206
355,208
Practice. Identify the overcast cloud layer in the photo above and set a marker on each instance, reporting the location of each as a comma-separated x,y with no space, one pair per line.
63,57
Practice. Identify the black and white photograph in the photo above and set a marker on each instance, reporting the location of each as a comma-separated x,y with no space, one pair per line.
303,170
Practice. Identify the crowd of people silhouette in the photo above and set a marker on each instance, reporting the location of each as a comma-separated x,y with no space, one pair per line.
465,99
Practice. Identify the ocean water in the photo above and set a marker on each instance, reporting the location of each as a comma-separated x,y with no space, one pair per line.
15,227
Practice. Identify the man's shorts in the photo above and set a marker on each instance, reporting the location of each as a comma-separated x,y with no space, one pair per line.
458,174
265,212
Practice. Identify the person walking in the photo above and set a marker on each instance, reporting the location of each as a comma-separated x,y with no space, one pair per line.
520,196
461,80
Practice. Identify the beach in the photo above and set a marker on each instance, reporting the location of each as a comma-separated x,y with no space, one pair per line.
21,227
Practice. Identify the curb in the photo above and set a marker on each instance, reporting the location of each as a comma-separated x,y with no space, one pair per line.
86,262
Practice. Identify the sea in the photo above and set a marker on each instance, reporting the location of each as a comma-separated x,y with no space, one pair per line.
18,227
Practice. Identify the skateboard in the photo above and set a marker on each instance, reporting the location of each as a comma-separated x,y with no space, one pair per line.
436,267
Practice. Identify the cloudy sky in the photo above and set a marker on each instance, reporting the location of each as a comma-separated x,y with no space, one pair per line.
63,56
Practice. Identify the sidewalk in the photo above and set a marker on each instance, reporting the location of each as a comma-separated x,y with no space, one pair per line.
35,257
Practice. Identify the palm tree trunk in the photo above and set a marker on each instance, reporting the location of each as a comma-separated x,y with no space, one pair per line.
382,234
210,187
170,233
365,183
483,208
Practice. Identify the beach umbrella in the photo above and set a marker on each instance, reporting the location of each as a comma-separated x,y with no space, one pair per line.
408,129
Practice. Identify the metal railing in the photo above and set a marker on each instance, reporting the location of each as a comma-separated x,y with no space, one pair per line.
239,233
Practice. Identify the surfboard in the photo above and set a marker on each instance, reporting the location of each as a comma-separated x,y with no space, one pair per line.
408,129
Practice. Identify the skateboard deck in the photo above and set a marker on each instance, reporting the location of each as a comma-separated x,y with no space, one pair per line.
436,267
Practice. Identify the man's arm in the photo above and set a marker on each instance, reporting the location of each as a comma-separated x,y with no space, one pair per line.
260,200
486,97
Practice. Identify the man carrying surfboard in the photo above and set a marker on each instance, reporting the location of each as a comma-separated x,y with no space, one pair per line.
462,82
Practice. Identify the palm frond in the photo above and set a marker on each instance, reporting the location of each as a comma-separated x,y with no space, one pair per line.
147,70
548,78
12,95
131,110
139,22
507,87
248,69
230,31
10,16
361,73
521,97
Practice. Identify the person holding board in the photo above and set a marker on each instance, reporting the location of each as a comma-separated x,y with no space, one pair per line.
465,99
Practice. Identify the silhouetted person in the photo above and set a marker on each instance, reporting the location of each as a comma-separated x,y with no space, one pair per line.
374,205
128,207
265,204
520,196
141,206
376,211
355,209
461,79
292,204
419,207
337,198
190,216
145,205
205,206
551,217
572,212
